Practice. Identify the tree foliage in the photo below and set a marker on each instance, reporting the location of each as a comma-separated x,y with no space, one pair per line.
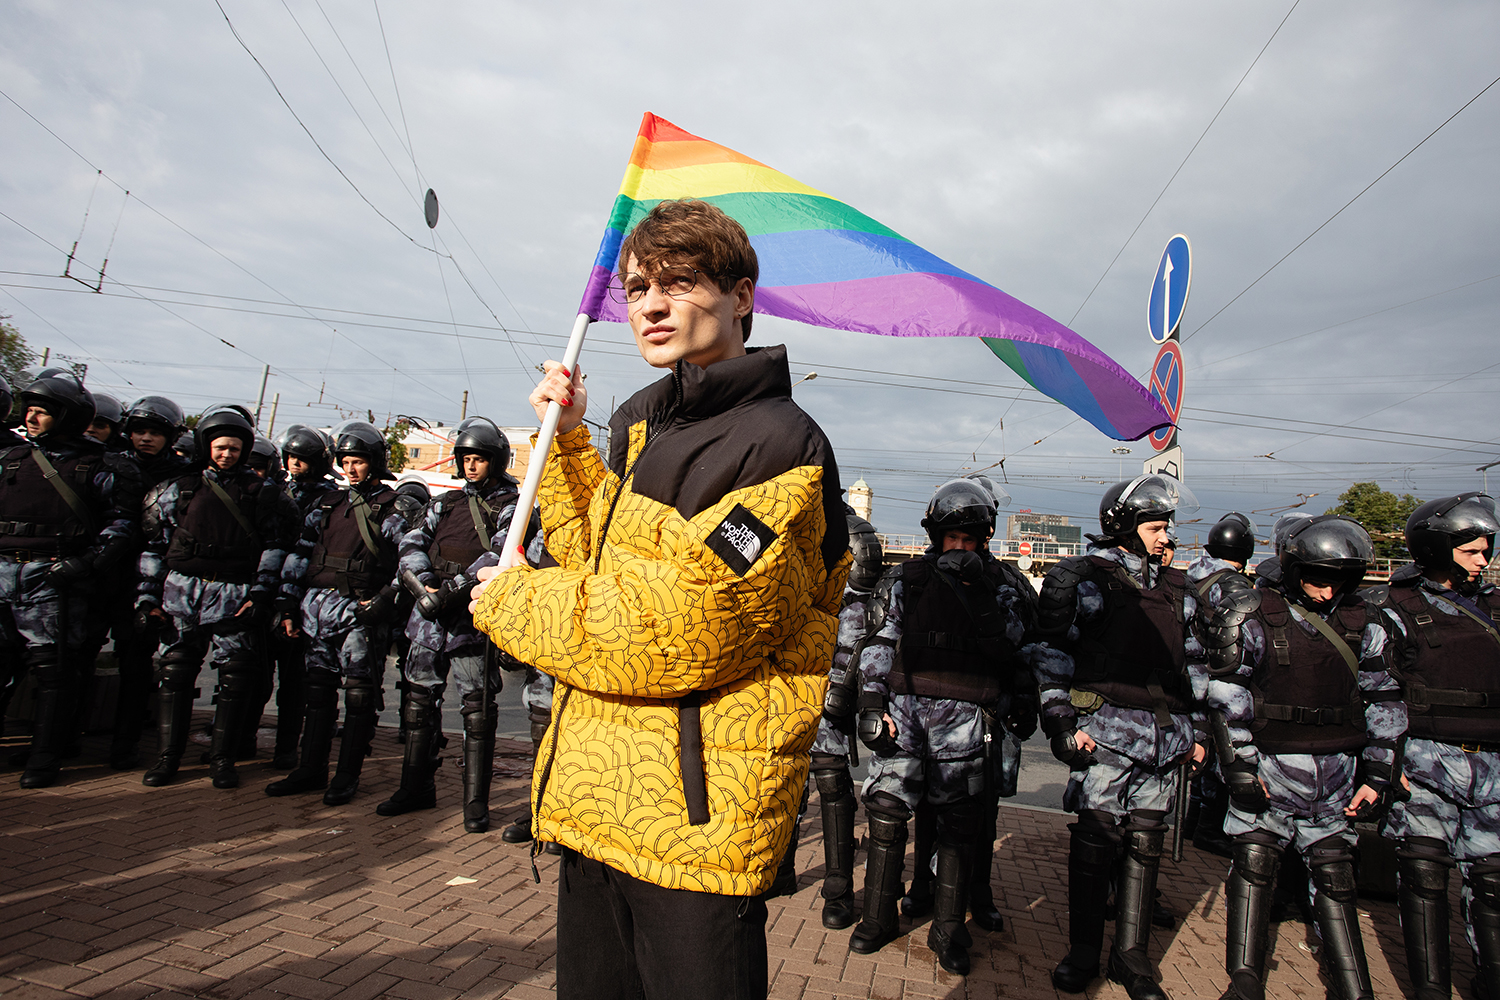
393,438
15,354
1383,515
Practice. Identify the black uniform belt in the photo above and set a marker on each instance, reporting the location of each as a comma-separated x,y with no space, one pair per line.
1479,747
29,556
1304,716
213,550
30,529
1452,697
447,568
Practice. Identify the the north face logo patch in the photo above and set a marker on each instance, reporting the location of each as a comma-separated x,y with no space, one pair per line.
740,539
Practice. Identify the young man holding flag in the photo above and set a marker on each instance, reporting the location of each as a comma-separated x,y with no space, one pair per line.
690,626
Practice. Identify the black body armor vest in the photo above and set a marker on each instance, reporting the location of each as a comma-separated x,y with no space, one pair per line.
1307,699
34,516
1134,654
1453,686
944,651
457,541
342,560
209,541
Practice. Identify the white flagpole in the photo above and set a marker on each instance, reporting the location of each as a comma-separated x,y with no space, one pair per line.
517,534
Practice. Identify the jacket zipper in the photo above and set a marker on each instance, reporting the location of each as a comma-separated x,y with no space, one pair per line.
541,790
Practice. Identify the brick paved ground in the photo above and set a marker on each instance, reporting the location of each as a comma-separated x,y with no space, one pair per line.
110,889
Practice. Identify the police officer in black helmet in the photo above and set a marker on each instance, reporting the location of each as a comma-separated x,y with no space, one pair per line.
1307,723
922,710
460,531
338,588
108,423
1446,651
67,511
1112,662
151,423
215,540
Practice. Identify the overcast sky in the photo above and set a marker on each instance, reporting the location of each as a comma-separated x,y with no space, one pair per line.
1024,143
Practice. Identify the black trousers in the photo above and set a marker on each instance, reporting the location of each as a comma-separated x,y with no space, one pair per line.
620,937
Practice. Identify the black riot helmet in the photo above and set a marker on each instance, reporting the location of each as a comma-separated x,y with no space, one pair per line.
1284,525
310,445
960,505
482,436
1002,498
60,393
108,409
265,455
412,496
1438,527
7,402
186,446
1152,497
155,412
229,420
1232,539
362,439
1328,548
868,552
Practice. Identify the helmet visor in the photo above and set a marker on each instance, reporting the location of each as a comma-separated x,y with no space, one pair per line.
1160,494
1472,516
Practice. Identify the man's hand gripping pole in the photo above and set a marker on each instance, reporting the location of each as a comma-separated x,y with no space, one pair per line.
515,538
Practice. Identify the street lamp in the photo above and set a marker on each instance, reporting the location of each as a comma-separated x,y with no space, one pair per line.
1120,469
806,378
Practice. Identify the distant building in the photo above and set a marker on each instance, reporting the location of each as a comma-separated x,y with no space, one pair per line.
862,499
1046,534
429,454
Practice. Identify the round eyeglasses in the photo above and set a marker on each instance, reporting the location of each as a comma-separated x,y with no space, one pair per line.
675,282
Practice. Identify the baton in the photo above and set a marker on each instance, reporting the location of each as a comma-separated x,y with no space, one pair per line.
1179,813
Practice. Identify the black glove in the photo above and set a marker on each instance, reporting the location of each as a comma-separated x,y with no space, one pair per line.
376,610
143,619
1066,749
69,570
454,593
874,734
1021,719
965,565
1245,789
262,610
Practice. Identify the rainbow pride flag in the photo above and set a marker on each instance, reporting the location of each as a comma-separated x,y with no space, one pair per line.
825,264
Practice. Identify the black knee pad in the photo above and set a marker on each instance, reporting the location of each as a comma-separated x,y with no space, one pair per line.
240,675
958,823
416,709
1331,864
179,669
1484,882
540,719
887,816
1423,863
361,697
1095,842
1146,819
1256,861
831,774
43,663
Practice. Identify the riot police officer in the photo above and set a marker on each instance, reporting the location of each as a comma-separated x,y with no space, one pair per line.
150,425
1114,642
1306,718
214,543
1446,650
922,713
459,528
108,423
67,511
340,582
306,455
831,752
1220,570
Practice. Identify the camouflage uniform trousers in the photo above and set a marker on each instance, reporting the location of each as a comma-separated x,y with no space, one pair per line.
1307,795
1117,785
1455,798
942,756
29,607
338,643
536,693
203,612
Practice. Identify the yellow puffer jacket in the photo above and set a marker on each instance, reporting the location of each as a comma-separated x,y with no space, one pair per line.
691,649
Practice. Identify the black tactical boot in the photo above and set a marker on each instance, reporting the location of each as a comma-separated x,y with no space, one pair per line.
981,894
836,797
1423,864
354,746
1332,867
289,703
1090,858
1129,964
418,790
479,764
319,718
887,850
53,716
917,902
174,715
948,937
1484,915
1248,893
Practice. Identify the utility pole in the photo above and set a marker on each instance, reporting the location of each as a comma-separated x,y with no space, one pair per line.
463,412
261,402
271,427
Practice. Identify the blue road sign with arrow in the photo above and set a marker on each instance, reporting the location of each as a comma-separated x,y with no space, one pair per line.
1169,292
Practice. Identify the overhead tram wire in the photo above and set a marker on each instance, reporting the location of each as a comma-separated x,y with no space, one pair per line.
1189,156
65,335
1346,204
